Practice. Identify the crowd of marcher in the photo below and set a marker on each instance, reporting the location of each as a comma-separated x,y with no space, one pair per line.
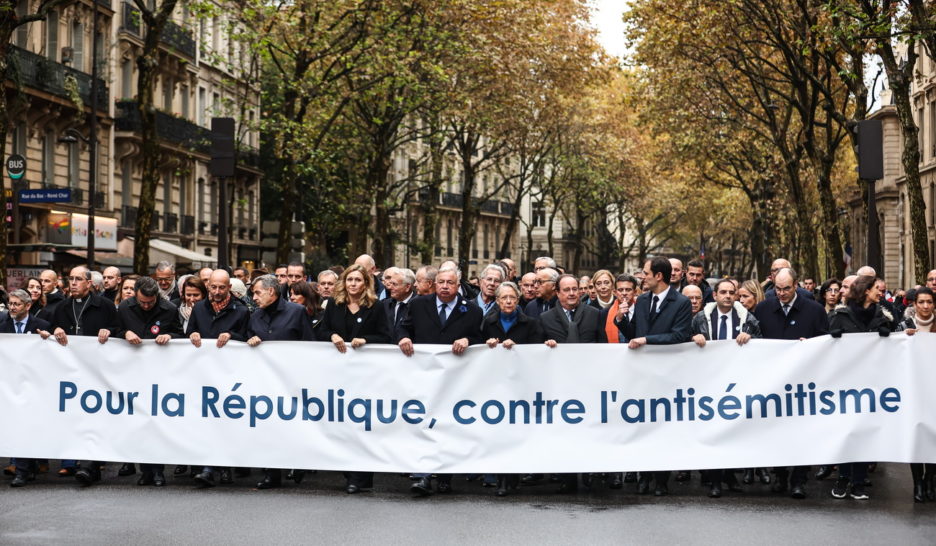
350,307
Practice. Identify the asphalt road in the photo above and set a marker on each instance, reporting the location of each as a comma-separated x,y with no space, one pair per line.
53,510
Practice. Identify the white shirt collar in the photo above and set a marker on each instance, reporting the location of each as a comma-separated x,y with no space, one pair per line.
661,296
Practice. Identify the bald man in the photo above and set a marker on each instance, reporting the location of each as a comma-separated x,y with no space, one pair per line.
931,280
789,316
368,263
694,293
778,265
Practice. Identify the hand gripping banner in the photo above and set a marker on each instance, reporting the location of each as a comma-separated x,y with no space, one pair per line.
575,408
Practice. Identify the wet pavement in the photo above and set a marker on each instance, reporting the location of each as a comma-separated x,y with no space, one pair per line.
55,510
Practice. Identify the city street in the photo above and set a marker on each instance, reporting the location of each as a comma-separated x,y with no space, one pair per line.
56,511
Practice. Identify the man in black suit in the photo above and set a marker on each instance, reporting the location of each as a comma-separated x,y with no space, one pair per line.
19,321
775,267
443,318
662,316
789,316
545,283
401,288
84,313
570,322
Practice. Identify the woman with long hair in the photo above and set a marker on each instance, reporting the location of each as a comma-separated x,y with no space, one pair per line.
922,321
305,295
192,290
353,317
829,294
126,289
750,294
603,281
34,287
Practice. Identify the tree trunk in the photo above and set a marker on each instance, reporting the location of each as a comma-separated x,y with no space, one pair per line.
6,31
514,217
430,205
911,165
151,157
469,212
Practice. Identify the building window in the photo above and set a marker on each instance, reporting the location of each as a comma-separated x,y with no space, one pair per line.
167,192
215,104
184,96
539,214
932,130
201,106
52,28
74,160
167,94
126,182
921,135
200,199
449,239
250,207
215,34
19,139
22,31
77,43
183,196
48,159
126,78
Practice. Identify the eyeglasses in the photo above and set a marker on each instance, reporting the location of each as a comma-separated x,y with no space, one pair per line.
163,279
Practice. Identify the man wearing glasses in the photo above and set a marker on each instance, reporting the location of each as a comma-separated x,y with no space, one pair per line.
166,279
87,314
491,277
789,316
775,267
545,284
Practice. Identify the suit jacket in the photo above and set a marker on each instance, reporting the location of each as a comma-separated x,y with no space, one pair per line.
280,321
422,324
99,314
370,323
584,328
672,324
7,326
525,331
621,326
389,309
806,319
535,308
231,320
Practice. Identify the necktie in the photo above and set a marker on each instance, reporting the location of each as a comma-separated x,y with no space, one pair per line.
19,327
571,314
442,314
786,308
723,329
398,311
653,306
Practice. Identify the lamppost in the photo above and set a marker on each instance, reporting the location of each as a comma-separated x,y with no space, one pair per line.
72,136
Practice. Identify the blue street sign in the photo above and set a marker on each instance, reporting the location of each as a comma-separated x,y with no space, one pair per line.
54,195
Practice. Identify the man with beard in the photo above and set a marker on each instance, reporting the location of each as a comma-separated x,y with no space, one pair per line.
166,279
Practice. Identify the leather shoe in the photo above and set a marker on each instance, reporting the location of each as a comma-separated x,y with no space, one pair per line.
204,479
86,477
20,479
764,475
268,482
824,472
919,494
159,479
643,487
297,476
748,477
352,489
128,469
179,470
683,476
422,487
617,481
226,476
67,471
661,490
9,470
715,492
502,486
444,487
798,492
145,479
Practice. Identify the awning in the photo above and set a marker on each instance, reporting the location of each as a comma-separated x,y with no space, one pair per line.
180,252
106,258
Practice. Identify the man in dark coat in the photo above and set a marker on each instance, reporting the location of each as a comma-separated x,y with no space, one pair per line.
791,316
662,316
222,317
396,307
545,282
146,315
443,318
19,321
83,313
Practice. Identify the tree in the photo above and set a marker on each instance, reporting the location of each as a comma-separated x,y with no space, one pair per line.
10,20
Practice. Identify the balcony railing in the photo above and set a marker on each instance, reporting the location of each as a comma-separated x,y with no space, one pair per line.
168,128
450,199
188,225
170,222
40,73
177,38
128,216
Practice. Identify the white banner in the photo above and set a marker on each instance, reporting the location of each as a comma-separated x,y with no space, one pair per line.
576,408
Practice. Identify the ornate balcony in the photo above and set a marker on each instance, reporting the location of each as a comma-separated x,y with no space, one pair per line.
38,72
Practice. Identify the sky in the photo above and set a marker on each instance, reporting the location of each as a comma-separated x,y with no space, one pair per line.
607,19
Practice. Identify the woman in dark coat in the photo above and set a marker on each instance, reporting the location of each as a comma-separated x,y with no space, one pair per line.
507,328
862,312
922,321
354,317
